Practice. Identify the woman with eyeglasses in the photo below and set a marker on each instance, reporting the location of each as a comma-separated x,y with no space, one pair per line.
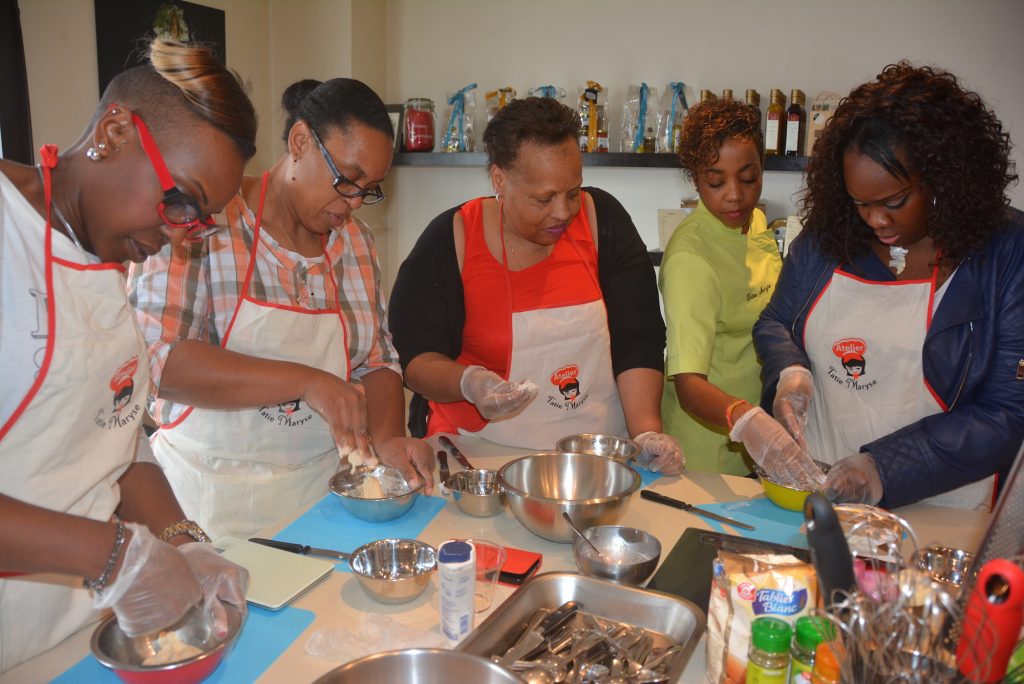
532,315
78,497
268,342
896,331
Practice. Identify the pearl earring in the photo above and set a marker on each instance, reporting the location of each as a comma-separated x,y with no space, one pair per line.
93,154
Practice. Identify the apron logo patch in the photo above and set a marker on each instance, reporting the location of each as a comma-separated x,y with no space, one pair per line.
122,385
851,354
286,414
567,380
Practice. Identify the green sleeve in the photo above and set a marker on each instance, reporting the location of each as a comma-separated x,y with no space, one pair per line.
690,288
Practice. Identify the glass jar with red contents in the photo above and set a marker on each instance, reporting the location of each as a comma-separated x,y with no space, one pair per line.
419,125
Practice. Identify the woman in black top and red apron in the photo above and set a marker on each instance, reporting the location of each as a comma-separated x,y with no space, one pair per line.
531,325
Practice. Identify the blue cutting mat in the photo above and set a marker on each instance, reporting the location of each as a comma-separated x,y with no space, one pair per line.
773,524
265,636
646,476
328,526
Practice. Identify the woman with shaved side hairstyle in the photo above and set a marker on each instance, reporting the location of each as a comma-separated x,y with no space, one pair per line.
78,505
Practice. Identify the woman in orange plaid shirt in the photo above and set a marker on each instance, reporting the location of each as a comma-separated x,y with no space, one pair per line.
269,343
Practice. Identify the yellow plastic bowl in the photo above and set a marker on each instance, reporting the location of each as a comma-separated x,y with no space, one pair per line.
790,498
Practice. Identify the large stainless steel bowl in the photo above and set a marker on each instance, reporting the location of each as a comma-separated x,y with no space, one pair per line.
125,655
477,492
422,666
593,490
394,570
612,446
628,555
371,510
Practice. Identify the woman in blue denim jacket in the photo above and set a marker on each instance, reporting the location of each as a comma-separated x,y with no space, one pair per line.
893,347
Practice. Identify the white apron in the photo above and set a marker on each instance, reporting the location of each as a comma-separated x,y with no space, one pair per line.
238,471
75,432
864,340
566,351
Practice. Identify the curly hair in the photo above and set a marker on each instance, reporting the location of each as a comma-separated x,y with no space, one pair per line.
922,116
539,120
708,125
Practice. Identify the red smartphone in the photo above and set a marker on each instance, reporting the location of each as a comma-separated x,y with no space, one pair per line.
519,566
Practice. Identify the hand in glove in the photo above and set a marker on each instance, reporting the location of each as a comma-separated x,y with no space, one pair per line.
774,450
792,399
854,479
220,580
153,589
494,397
660,453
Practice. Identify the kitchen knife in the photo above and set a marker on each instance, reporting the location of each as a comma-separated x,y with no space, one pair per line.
300,548
442,458
456,454
830,552
689,508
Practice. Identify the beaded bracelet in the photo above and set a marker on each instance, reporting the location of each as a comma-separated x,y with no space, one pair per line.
729,409
100,583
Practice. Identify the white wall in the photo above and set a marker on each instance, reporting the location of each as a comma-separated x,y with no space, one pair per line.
814,45
63,80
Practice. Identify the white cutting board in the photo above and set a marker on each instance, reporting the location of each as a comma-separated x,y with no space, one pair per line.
276,577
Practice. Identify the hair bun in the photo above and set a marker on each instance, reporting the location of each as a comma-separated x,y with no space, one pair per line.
296,93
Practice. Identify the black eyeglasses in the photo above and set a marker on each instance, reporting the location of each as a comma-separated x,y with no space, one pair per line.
368,195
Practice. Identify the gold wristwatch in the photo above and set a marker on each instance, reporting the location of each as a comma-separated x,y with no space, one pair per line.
187,527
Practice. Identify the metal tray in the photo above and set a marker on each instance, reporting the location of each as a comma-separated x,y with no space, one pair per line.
660,614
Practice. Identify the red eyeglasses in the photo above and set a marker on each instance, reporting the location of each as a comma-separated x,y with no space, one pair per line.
177,209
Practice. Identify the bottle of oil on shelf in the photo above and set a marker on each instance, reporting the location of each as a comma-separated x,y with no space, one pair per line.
727,94
754,100
706,95
796,124
775,125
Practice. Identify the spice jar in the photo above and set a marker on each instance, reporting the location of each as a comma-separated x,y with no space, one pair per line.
419,125
827,669
769,651
810,630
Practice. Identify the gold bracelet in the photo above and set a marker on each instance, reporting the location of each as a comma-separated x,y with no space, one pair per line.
729,409
187,527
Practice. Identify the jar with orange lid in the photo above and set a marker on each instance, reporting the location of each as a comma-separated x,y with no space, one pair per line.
826,663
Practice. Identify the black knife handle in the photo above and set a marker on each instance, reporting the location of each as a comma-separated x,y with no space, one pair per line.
662,499
458,455
830,552
284,546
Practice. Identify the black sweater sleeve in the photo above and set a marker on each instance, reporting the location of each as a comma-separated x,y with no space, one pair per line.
427,311
630,288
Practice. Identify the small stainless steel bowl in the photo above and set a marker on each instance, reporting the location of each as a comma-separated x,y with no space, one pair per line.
628,555
944,564
420,665
477,492
593,490
371,510
394,570
124,654
610,446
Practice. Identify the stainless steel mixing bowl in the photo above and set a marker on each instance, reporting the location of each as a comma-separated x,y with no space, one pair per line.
124,654
593,490
422,666
477,492
371,510
944,564
628,555
394,570
611,446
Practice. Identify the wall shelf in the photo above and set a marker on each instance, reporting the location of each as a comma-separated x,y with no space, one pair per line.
608,159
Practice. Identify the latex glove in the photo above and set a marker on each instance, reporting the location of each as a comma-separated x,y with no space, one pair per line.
414,459
660,453
220,580
154,587
772,448
792,399
854,479
493,396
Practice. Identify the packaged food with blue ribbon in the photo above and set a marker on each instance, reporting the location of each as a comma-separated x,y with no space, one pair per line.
458,132
639,119
549,91
673,114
